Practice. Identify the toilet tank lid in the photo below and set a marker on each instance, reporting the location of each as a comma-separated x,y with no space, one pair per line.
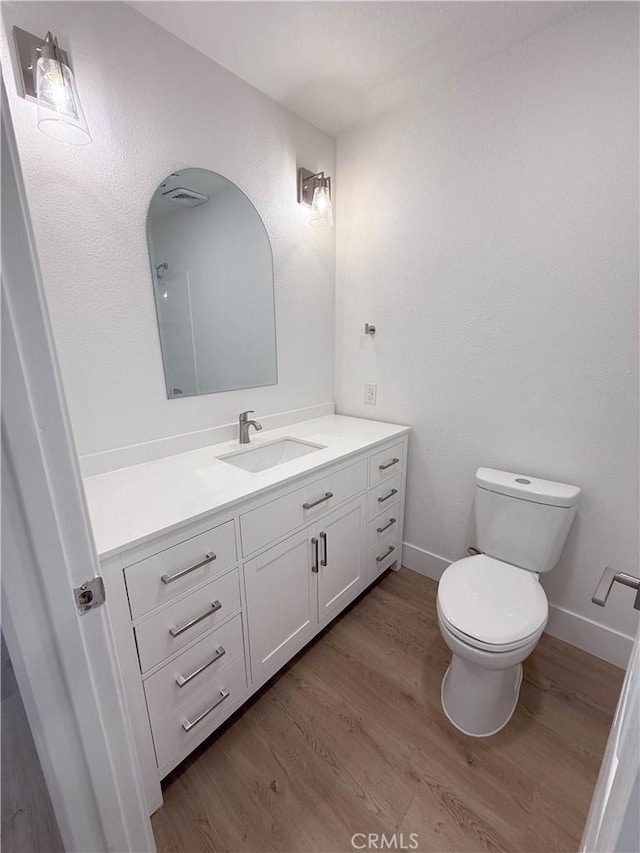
527,488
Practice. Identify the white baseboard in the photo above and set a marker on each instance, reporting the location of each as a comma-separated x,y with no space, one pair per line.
605,643
599,640
423,562
92,464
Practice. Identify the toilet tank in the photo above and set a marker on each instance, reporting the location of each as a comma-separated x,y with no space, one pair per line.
523,520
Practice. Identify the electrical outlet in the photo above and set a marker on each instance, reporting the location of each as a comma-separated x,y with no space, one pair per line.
370,393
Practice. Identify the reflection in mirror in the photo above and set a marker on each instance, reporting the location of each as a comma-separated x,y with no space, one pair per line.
212,273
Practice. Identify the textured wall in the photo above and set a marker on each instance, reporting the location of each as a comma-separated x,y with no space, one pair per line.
155,105
490,231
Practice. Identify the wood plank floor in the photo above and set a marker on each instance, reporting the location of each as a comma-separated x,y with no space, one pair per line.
350,738
28,824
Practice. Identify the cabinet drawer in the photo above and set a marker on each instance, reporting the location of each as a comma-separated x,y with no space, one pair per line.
175,684
386,464
385,525
201,715
384,495
172,629
159,578
383,556
267,523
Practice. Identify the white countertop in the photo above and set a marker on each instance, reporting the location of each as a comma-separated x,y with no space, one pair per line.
131,505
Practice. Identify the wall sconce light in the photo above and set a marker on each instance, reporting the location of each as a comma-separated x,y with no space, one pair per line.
314,189
47,78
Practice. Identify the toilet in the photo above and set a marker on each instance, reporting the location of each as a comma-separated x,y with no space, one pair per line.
492,608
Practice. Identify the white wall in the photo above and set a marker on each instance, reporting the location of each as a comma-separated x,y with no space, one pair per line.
490,231
155,105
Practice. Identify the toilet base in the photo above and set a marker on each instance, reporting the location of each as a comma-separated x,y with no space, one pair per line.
479,702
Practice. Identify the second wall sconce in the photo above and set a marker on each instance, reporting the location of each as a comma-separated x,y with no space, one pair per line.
47,78
314,189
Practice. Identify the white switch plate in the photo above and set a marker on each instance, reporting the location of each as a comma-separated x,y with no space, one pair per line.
370,393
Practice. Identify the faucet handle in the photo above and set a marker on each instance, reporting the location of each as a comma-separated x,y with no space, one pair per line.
248,412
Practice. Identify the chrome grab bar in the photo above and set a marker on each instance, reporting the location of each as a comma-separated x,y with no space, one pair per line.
215,606
609,577
181,680
386,497
394,461
209,558
384,556
189,724
311,505
389,524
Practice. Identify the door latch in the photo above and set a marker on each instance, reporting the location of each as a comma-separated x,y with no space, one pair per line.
90,594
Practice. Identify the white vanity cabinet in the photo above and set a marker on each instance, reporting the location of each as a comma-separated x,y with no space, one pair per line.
281,596
205,613
294,587
340,575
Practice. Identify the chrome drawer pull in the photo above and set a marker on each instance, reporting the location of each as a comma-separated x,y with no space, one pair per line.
314,564
326,497
394,461
389,524
210,557
189,724
386,497
181,680
175,632
382,557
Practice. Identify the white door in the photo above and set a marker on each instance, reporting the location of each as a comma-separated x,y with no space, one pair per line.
281,602
613,824
64,662
341,563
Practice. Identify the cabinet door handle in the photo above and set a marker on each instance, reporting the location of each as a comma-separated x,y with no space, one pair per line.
181,680
394,461
386,497
189,724
389,524
210,557
314,564
323,561
311,505
215,606
384,556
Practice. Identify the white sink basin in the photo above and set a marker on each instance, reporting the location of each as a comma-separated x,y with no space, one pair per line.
264,456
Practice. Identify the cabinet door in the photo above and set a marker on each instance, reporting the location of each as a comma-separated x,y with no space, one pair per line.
340,576
281,602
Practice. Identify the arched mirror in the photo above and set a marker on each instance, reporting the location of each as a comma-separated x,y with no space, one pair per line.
212,273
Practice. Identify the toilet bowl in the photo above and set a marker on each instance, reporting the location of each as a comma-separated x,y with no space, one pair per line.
491,616
491,607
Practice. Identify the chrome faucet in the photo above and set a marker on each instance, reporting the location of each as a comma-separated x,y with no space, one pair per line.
244,424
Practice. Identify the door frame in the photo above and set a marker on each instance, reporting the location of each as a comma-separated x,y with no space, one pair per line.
64,661
613,823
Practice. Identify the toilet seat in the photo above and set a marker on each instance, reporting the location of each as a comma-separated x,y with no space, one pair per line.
492,648
491,605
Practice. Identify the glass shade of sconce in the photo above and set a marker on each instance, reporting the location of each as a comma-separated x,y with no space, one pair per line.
321,206
60,113
314,190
